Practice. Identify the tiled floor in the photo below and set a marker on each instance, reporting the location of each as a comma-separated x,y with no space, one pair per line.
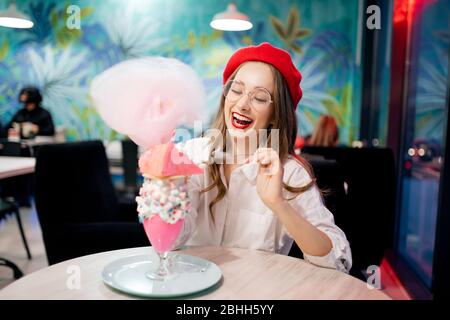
12,248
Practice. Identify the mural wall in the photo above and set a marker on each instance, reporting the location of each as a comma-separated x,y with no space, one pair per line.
431,52
321,35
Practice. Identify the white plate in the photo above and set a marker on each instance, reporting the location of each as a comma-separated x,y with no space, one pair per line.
129,275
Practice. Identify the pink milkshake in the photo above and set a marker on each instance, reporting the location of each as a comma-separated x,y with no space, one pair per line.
163,200
162,235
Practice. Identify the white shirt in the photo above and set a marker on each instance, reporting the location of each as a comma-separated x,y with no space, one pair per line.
242,220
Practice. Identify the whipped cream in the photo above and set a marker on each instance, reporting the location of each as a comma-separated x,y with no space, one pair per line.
168,198
198,150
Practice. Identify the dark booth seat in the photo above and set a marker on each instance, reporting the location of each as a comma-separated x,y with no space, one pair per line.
77,205
368,213
330,180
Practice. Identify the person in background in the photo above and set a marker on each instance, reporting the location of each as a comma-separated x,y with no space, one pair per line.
33,119
325,134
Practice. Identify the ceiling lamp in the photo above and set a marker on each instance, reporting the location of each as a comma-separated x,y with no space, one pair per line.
231,20
13,18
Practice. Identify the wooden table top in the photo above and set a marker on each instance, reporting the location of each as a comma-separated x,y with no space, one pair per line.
247,274
16,166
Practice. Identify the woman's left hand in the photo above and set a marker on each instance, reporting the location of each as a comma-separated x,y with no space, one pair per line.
269,182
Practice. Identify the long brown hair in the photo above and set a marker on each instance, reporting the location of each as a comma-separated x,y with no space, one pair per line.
326,132
284,119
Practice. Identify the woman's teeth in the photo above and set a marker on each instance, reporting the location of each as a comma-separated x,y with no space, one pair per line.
240,121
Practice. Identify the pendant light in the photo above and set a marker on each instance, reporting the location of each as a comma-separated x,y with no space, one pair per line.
13,18
231,20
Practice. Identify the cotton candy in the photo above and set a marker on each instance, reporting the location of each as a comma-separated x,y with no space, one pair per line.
147,98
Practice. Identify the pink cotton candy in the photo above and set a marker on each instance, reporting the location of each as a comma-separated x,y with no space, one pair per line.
147,98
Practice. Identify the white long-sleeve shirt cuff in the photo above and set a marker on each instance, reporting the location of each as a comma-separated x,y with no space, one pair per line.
335,259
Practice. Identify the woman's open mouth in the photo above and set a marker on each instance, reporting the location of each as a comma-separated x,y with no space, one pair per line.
239,121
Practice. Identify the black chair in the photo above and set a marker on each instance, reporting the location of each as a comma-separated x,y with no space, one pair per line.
330,181
19,187
7,207
15,149
14,192
368,221
17,273
77,205
129,166
130,163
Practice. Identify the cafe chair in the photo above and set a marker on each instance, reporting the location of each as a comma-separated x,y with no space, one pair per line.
15,149
17,273
21,187
330,181
10,207
130,167
368,218
77,205
14,192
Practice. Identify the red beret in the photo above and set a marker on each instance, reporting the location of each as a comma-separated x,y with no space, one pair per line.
277,57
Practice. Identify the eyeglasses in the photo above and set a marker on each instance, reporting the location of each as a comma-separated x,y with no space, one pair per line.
260,98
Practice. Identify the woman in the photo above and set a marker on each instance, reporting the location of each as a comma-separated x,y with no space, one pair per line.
325,134
270,200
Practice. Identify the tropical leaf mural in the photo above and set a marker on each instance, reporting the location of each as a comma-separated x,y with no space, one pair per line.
63,35
314,101
134,36
60,79
337,51
253,36
62,62
40,13
4,48
290,32
431,100
444,35
102,51
430,62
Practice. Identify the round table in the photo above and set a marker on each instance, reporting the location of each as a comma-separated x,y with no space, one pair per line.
247,274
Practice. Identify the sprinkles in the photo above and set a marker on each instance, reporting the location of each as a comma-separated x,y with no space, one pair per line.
168,198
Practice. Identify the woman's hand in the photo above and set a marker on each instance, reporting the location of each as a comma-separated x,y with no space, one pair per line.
269,182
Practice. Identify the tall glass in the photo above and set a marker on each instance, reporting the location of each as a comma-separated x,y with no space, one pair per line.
162,236
163,204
